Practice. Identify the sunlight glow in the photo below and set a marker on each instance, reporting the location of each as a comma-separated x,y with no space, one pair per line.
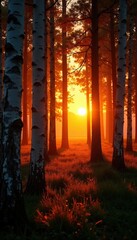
81,111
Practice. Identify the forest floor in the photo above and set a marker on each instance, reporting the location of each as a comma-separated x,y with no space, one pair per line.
83,201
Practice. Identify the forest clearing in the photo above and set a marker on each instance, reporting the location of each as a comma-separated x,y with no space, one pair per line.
84,201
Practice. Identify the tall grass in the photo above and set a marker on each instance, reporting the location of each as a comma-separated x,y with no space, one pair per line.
84,201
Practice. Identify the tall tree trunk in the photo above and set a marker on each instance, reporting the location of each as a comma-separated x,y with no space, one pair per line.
109,112
113,62
96,150
65,143
12,209
1,84
118,148
129,146
36,181
52,130
25,86
46,81
88,106
101,113
136,82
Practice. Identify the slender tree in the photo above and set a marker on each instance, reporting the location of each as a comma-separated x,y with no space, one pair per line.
12,211
118,148
46,81
96,150
52,130
129,146
88,105
65,143
0,83
36,181
136,80
113,61
25,85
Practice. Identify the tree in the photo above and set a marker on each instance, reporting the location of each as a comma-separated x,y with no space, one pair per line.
25,81
12,211
36,180
52,130
113,60
136,80
118,148
96,150
0,83
65,143
129,146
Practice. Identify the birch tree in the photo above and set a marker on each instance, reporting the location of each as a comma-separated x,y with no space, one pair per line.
118,148
12,211
36,180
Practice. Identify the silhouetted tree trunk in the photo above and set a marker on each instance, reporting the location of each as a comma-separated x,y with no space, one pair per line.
25,88
136,81
12,211
46,81
113,62
118,148
52,130
101,112
109,112
36,181
88,106
129,146
0,83
96,150
65,143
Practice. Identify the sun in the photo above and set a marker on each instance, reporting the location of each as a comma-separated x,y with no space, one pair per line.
81,111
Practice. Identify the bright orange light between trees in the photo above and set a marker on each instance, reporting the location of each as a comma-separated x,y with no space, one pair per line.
81,111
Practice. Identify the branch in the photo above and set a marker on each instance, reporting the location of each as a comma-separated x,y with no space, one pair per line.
81,64
106,10
52,5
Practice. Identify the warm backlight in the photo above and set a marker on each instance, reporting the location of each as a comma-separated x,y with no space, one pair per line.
81,111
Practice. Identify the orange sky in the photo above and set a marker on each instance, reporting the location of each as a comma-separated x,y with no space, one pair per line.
79,99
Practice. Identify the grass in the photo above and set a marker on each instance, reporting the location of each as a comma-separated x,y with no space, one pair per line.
83,201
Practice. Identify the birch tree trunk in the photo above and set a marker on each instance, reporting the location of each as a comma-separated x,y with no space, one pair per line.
52,130
65,143
96,149
12,209
118,148
36,181
129,146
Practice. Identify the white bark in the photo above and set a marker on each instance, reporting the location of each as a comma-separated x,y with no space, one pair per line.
11,201
37,172
118,154
13,87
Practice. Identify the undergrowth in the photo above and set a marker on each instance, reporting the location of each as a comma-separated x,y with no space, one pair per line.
83,201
